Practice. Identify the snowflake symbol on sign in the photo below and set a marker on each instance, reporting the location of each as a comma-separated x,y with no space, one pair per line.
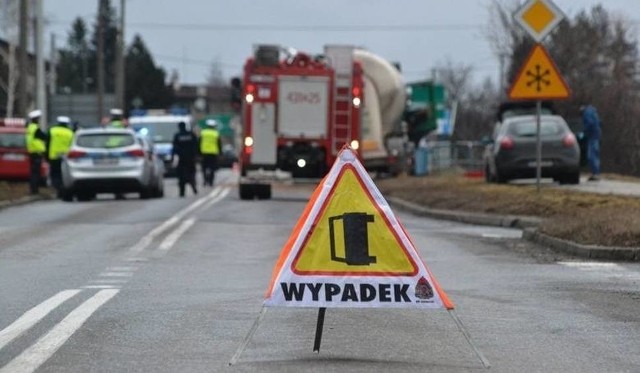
539,78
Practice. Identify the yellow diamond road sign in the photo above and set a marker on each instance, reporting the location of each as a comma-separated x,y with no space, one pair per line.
539,79
538,17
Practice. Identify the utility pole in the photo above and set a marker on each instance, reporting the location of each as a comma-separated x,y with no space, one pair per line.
23,63
100,65
120,60
53,63
41,93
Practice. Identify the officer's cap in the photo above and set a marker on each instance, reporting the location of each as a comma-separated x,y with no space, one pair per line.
35,114
115,112
212,123
63,120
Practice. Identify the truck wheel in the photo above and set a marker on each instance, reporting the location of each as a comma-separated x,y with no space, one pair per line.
246,191
264,191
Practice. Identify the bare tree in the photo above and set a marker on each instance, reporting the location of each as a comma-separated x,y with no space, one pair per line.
216,76
9,26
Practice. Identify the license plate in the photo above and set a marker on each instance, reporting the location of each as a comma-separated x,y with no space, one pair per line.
105,161
14,157
542,164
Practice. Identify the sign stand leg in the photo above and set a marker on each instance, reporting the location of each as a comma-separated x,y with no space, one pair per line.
464,332
319,327
248,337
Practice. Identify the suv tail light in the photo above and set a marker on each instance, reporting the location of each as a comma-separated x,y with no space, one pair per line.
569,140
506,143
138,153
75,154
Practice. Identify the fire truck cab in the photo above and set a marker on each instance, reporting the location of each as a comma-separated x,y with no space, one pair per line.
298,112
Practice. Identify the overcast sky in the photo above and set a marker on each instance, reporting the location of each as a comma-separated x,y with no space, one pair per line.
187,35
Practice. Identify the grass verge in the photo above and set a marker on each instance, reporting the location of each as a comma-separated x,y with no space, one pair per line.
587,218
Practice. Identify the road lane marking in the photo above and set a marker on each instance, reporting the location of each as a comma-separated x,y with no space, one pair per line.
116,274
31,317
109,281
593,266
121,269
217,199
100,287
147,239
174,236
30,359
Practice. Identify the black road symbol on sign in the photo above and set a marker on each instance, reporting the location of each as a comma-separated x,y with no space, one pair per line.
356,240
539,78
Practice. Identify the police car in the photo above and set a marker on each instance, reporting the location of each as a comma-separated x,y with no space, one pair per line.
160,127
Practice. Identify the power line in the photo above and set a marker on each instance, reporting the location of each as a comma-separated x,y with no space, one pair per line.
300,28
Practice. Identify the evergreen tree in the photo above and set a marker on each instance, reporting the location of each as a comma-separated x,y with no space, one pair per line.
145,80
73,70
106,13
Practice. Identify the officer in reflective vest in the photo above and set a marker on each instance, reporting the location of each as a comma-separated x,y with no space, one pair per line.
36,140
209,149
60,138
116,118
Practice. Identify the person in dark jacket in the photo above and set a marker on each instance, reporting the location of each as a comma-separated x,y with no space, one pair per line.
592,132
185,147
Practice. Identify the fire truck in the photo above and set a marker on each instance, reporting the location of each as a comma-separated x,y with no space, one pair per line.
298,112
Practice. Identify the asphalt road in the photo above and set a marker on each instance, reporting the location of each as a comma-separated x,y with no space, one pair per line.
174,285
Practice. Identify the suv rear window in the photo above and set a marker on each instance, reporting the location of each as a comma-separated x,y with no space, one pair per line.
528,128
105,140
12,140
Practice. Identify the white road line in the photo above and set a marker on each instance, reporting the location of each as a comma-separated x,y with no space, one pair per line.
218,198
31,317
101,287
116,274
122,269
30,359
147,239
593,266
108,281
171,239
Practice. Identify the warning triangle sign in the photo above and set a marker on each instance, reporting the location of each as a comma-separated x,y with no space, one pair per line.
539,79
349,250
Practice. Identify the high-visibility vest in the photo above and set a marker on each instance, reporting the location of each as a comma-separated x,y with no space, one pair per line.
116,124
59,141
209,141
34,145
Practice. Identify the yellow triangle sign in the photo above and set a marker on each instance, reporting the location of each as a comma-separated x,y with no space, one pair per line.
349,250
539,79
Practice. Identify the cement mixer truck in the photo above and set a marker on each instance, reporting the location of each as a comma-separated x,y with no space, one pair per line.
384,145
299,110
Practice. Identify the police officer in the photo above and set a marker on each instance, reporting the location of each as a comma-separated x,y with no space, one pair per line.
116,118
210,146
185,147
60,138
36,147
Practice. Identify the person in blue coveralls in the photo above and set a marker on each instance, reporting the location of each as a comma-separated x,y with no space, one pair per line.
592,132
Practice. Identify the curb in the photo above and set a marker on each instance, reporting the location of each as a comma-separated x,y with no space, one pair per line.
530,232
21,201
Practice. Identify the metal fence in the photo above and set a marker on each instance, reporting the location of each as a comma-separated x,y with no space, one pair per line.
465,155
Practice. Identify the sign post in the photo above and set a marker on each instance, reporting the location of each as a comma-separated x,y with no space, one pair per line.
539,78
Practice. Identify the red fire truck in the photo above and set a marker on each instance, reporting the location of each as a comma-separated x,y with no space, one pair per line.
298,112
